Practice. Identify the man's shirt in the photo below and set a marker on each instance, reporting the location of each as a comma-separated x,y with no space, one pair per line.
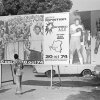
36,41
18,66
76,30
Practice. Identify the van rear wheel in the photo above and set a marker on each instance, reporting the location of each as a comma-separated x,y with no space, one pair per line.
48,73
86,72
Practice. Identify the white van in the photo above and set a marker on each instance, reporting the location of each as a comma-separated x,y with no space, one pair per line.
65,69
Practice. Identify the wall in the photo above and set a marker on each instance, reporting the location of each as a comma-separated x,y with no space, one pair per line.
86,19
94,57
94,16
86,5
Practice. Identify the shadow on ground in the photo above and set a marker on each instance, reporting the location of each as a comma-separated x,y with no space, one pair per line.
31,90
4,90
62,75
63,83
36,82
83,95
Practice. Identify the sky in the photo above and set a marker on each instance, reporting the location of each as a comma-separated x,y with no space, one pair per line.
83,5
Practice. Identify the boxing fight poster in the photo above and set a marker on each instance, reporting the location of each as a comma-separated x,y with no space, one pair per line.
56,37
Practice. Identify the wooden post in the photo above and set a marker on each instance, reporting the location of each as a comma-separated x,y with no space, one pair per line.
0,74
12,73
59,75
51,76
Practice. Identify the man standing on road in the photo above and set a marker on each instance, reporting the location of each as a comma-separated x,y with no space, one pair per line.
18,66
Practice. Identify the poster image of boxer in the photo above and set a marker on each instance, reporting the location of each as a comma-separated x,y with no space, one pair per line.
76,39
36,43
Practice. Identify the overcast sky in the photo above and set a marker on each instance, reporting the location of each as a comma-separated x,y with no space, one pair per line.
86,5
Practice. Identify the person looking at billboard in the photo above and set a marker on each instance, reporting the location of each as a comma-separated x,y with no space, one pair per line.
18,66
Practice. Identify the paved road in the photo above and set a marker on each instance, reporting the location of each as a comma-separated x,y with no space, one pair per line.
38,87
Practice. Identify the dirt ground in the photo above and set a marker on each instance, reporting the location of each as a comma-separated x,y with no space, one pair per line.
37,87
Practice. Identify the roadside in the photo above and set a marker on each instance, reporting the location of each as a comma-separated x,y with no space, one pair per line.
38,87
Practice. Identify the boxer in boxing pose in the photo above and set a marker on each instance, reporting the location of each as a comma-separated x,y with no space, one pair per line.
76,39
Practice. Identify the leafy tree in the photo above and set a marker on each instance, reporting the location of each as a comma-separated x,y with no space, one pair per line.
2,10
16,7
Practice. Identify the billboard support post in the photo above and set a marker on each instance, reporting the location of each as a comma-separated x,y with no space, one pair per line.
51,75
59,82
0,75
12,73
59,75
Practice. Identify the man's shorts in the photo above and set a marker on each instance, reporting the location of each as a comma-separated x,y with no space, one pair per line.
75,44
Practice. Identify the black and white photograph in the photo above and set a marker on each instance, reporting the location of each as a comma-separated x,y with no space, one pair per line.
49,49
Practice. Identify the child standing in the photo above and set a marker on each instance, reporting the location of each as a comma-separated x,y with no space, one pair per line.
18,66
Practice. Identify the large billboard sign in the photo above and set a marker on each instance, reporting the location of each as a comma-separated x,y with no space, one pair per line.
37,39
22,35
56,37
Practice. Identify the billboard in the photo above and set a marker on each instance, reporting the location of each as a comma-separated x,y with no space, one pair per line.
56,37
22,35
35,38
